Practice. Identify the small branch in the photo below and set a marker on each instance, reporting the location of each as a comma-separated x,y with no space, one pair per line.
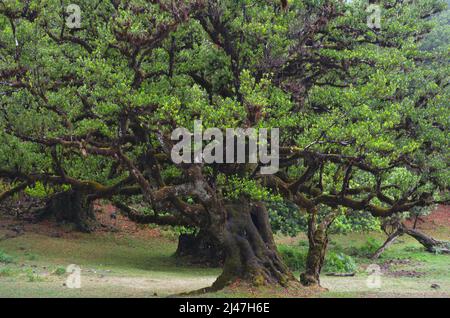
141,218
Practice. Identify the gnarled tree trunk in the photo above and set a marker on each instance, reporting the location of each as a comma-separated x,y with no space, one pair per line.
318,243
72,207
251,256
200,248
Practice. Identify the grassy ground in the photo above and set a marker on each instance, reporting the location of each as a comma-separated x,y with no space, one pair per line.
406,269
32,265
111,267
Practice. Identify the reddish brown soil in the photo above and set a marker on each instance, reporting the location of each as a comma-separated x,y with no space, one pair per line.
440,217
108,217
111,219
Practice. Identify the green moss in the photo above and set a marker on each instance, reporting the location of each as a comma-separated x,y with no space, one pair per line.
259,280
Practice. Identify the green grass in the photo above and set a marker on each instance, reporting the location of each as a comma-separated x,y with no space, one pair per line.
112,266
5,258
434,269
6,272
116,266
32,277
60,271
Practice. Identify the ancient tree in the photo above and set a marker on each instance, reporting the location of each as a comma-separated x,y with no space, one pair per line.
91,110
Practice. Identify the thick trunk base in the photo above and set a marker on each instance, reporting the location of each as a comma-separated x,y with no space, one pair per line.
70,207
200,249
314,263
251,257
318,243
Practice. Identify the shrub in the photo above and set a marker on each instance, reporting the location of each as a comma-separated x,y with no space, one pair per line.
293,256
367,249
60,271
339,263
370,247
285,219
5,258
38,190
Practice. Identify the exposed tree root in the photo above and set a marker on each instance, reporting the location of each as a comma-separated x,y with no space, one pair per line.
293,289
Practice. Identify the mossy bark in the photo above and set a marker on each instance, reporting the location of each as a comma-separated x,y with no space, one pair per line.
250,252
200,248
318,243
431,245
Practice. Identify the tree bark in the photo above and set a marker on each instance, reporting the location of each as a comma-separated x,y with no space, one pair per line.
390,240
72,207
318,243
430,244
200,249
250,252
